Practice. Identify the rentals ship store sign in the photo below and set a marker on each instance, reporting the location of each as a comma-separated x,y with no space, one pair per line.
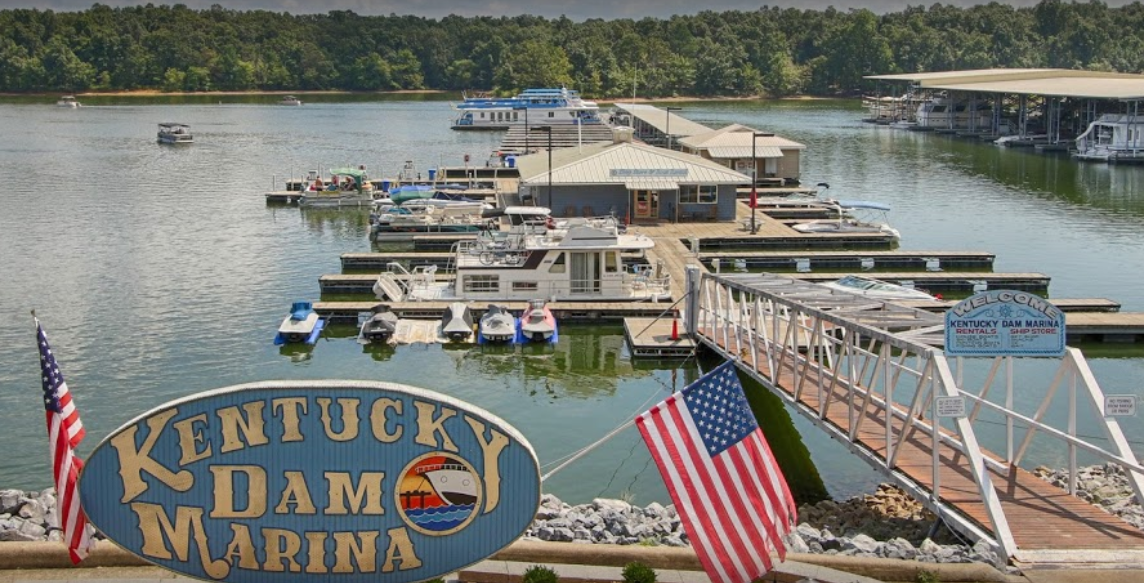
301,481
1004,323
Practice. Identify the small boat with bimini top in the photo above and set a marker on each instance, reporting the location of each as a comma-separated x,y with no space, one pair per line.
175,133
537,324
853,216
497,324
67,101
380,326
290,100
877,289
457,322
301,325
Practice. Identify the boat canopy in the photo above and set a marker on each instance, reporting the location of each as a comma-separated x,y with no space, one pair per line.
356,173
862,204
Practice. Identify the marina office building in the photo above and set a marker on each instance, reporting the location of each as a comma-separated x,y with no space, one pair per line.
635,181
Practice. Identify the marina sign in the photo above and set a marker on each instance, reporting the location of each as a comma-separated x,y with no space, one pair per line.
1004,323
313,480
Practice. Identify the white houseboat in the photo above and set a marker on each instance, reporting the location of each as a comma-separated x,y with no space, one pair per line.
1113,138
536,107
579,259
942,113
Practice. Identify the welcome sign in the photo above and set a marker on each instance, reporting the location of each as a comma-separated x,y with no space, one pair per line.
1004,323
320,480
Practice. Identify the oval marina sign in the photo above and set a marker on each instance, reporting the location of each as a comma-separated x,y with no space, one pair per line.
300,480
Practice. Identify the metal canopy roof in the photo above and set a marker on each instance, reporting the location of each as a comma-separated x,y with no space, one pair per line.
1050,82
657,118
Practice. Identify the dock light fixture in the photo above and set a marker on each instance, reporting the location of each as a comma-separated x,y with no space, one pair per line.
755,180
667,130
548,130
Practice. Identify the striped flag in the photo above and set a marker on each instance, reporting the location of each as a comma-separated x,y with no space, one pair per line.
65,432
726,485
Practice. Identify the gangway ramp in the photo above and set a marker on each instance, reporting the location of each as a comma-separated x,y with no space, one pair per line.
871,373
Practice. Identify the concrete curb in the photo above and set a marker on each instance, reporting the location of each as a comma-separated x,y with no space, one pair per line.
53,555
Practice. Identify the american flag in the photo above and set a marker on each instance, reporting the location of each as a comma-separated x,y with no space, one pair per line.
727,487
65,431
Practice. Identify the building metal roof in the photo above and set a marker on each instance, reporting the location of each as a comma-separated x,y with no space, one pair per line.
734,141
726,152
657,118
624,163
1050,82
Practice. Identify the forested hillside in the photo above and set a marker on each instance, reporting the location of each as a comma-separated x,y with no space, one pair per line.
766,52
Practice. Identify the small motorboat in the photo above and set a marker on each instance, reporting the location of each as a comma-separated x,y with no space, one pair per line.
877,289
538,324
302,325
457,322
380,326
497,325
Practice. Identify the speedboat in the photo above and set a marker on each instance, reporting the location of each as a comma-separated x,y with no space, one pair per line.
175,133
302,325
497,325
457,322
849,219
67,101
290,100
380,326
538,324
559,106
877,289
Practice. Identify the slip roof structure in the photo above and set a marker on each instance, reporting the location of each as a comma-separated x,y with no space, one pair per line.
1046,82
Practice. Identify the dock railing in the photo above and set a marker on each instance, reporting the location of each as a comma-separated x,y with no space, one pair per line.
844,362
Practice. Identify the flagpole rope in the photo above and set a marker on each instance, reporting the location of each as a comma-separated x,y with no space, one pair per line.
588,449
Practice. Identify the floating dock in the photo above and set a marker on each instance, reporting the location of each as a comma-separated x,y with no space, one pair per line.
351,312
855,260
653,337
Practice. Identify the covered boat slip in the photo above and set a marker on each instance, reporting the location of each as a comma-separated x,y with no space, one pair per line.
1054,105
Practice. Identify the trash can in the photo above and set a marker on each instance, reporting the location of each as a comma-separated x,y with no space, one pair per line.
385,185
432,174
510,161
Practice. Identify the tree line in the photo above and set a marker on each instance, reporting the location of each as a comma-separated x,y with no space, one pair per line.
770,51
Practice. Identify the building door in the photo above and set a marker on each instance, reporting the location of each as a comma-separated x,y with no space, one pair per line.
646,205
585,273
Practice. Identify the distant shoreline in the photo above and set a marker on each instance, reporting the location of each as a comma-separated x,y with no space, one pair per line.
159,93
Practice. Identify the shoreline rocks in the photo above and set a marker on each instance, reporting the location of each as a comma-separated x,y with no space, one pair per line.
886,524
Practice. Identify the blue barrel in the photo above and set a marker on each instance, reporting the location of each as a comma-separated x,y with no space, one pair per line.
510,161
385,185
432,174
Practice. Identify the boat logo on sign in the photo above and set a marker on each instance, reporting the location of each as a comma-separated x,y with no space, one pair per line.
307,480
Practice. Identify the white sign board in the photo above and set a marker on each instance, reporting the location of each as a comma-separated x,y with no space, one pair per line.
1120,405
951,406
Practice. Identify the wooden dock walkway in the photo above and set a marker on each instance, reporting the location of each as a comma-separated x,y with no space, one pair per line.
1041,516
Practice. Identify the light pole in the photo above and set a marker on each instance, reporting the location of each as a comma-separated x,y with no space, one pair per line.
667,130
754,180
548,130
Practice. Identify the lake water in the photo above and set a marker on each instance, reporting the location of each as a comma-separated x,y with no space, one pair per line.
159,272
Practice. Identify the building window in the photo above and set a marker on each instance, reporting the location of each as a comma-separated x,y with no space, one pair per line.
611,263
482,283
698,194
551,114
524,286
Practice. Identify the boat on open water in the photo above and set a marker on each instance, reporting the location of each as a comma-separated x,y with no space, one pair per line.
175,133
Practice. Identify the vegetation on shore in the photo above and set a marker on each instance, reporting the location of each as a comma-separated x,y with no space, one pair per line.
772,51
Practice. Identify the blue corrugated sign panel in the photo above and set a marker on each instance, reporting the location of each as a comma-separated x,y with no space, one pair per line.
1004,323
313,480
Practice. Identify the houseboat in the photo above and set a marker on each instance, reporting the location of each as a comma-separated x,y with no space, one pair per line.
175,133
579,259
942,113
1113,138
536,107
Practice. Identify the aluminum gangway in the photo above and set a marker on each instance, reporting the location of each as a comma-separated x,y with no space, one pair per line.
871,374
